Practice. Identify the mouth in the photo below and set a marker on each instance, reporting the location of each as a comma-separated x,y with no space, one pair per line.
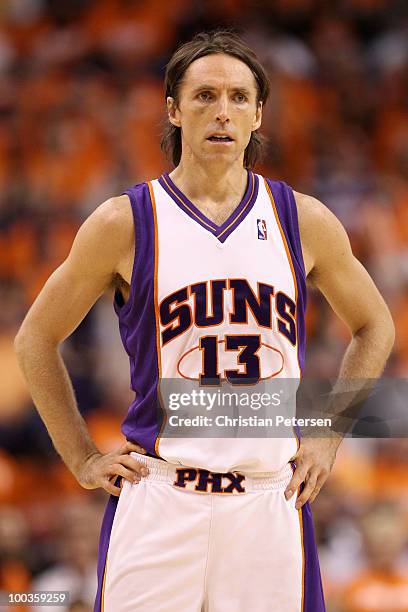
220,138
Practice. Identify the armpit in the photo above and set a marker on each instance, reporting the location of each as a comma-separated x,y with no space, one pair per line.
120,286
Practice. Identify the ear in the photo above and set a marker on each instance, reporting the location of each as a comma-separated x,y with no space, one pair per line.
257,118
173,112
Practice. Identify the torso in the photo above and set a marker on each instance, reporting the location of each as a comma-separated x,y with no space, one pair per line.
124,272
211,302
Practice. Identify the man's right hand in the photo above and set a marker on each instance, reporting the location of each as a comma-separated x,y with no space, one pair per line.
102,470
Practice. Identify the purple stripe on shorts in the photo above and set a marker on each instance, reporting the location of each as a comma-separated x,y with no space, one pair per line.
103,547
287,211
137,324
312,587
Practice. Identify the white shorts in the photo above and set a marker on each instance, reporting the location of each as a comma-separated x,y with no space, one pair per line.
188,540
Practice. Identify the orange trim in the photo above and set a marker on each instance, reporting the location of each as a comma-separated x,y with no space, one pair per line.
193,293
195,348
284,321
184,204
290,263
179,303
243,347
283,361
202,373
247,305
242,211
156,309
303,556
103,584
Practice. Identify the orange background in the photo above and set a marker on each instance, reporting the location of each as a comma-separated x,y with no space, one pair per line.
81,108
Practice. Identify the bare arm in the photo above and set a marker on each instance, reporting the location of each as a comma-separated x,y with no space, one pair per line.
101,244
352,294
348,288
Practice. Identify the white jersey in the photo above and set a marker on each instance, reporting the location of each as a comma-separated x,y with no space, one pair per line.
212,307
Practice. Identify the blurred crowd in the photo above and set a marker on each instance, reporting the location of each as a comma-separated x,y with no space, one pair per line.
81,111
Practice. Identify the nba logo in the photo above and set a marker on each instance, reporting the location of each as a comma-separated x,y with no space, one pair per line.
261,224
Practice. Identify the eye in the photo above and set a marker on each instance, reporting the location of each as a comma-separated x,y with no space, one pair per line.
240,97
205,96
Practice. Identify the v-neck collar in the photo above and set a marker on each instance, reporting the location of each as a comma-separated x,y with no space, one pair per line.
221,232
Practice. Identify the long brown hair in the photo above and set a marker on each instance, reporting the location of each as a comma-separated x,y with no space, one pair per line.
208,43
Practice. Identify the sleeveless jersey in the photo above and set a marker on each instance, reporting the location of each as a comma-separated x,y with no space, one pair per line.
212,303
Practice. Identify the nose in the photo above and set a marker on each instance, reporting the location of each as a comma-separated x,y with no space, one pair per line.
222,109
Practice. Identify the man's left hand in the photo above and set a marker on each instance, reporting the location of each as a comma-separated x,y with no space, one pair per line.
314,461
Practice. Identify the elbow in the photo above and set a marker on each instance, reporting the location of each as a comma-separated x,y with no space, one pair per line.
29,337
21,341
387,331
32,345
382,331
391,335
18,340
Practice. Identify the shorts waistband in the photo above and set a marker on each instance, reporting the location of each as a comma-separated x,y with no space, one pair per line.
204,481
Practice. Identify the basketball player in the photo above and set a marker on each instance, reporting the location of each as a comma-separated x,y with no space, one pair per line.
209,265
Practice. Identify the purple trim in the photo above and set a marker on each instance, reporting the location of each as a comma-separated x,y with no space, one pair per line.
288,216
136,261
287,212
185,204
137,324
312,587
237,216
103,547
242,210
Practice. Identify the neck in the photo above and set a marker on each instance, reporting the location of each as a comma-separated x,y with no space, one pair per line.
215,182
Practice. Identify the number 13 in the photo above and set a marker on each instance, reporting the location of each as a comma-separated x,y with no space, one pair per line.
247,357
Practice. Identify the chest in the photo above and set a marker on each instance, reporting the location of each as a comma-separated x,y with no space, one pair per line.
248,246
187,246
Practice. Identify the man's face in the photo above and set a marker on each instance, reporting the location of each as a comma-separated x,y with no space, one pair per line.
217,109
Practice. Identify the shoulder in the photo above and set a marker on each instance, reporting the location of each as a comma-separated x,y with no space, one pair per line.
313,215
112,219
112,214
323,237
106,236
